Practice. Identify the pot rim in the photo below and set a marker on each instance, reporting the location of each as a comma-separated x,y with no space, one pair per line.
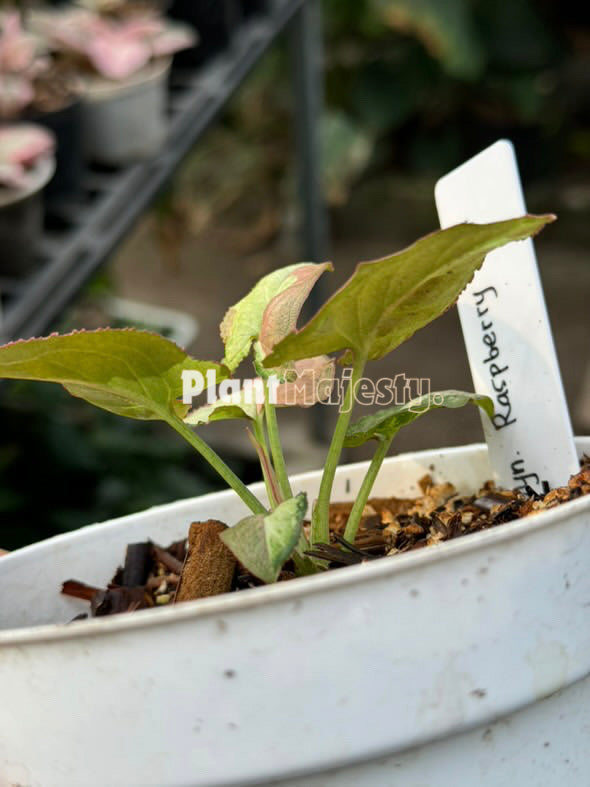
39,116
37,178
96,89
301,587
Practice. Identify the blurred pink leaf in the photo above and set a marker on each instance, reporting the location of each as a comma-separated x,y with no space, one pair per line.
13,176
20,63
117,55
117,49
24,143
17,48
16,93
173,40
20,147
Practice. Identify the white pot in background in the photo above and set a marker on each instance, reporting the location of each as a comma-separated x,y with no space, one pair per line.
124,122
467,663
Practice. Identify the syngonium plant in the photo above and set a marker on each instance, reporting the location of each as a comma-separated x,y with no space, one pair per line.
140,375
22,60
115,48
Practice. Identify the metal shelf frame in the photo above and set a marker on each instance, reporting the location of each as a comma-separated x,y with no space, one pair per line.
111,202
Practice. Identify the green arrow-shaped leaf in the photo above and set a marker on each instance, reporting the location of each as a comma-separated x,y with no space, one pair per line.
132,373
386,301
262,543
384,424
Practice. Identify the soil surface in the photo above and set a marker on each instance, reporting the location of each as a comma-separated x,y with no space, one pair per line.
202,566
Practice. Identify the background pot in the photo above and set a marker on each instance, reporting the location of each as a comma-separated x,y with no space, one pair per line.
66,125
126,122
180,327
21,221
466,663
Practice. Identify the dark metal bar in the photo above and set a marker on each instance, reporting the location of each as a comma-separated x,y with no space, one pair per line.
308,78
307,67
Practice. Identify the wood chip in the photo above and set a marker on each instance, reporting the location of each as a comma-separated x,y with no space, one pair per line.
168,560
136,568
75,589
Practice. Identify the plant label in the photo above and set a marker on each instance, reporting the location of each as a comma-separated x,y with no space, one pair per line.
506,330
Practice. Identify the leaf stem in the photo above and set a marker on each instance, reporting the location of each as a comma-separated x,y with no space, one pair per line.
320,527
278,458
219,465
268,473
363,494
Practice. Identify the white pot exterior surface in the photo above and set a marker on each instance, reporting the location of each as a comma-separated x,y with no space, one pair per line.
462,664
126,122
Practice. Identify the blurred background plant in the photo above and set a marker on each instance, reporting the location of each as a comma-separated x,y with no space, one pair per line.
413,87
63,465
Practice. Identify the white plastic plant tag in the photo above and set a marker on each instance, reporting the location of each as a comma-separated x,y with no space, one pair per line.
507,332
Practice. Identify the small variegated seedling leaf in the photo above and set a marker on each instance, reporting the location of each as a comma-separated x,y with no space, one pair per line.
281,314
219,411
228,408
386,301
131,373
312,383
242,323
262,543
384,424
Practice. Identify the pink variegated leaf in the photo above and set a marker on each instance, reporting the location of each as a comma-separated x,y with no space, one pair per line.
20,146
174,39
23,144
11,25
71,30
16,93
242,324
12,176
17,48
313,384
142,26
116,49
117,56
281,315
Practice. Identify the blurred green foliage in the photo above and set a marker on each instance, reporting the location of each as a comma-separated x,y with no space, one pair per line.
64,464
411,85
432,81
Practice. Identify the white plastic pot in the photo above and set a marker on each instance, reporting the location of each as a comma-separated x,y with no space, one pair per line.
126,122
462,664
